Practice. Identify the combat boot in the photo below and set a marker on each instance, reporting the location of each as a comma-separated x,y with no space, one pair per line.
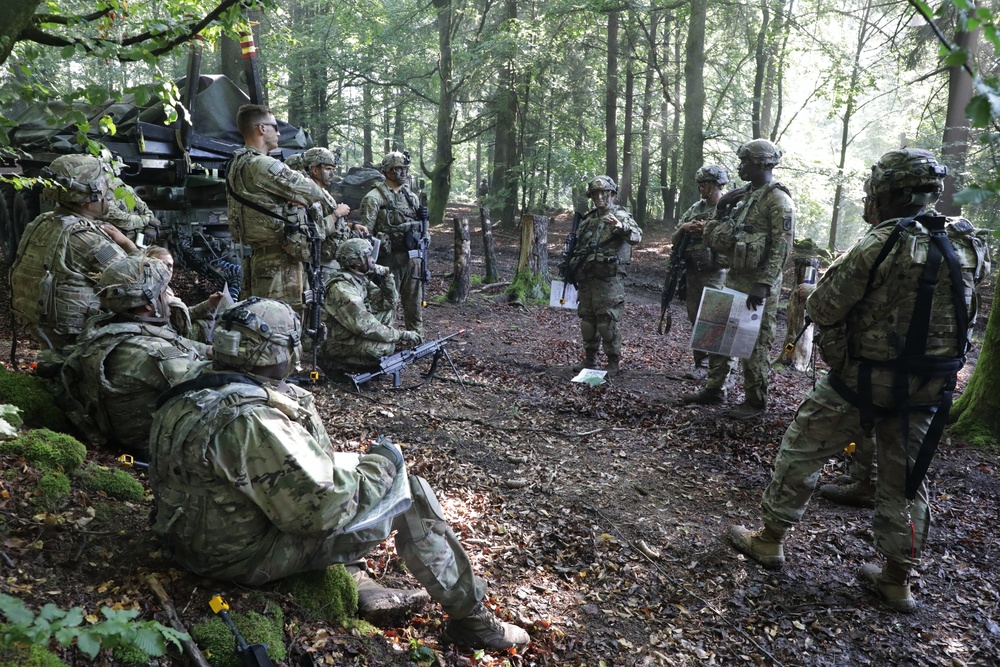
764,546
483,630
613,368
855,494
744,411
699,372
379,605
892,585
589,361
707,396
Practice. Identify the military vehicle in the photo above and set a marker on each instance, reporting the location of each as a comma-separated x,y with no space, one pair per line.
176,168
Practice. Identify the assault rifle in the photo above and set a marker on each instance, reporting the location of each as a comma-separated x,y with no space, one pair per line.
395,363
675,273
251,655
425,239
568,266
316,294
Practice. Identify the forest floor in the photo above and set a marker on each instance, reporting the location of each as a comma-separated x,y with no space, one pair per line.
598,514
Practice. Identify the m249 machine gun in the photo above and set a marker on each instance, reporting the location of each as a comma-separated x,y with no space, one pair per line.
394,364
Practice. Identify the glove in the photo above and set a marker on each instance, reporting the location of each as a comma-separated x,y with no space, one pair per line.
149,234
387,448
409,337
423,213
757,294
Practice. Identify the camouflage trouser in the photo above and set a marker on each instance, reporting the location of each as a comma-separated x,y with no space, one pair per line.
758,365
424,540
337,354
824,424
600,302
862,466
274,276
411,290
696,282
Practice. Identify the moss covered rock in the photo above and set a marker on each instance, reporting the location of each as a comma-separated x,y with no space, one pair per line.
329,594
47,450
216,640
28,393
53,487
115,483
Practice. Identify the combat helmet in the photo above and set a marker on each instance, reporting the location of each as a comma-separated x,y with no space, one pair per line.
296,162
394,159
602,183
712,173
80,179
317,156
909,171
132,282
353,252
760,151
256,333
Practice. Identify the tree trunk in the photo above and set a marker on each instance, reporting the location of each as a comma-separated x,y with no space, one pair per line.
398,132
531,281
489,249
505,183
458,292
955,141
642,195
368,104
977,411
625,187
694,102
440,175
19,14
611,101
761,60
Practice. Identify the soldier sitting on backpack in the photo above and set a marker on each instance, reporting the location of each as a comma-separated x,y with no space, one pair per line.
62,252
124,360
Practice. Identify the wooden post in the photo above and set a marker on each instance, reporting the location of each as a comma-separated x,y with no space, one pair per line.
458,292
489,251
534,245
797,315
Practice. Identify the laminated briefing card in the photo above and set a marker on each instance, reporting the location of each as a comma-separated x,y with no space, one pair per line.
562,295
725,325
396,501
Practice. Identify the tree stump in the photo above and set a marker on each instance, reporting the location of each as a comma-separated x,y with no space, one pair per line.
531,282
797,314
458,292
489,250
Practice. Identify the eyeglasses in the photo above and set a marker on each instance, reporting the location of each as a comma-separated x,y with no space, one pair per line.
274,125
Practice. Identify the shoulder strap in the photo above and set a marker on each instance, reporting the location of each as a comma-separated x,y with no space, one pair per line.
246,202
204,381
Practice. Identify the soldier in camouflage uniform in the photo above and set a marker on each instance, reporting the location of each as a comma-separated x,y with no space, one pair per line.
602,253
360,303
894,330
196,322
393,214
320,164
754,239
123,361
267,203
62,252
701,268
127,211
247,486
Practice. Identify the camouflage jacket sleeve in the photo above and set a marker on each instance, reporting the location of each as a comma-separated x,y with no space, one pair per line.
778,209
266,175
91,250
149,361
370,206
347,302
291,476
631,232
843,285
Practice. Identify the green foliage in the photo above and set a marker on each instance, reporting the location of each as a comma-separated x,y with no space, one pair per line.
47,450
218,644
329,594
28,392
31,656
118,629
115,483
53,487
528,287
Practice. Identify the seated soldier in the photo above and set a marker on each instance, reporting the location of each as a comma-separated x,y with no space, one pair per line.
247,487
196,322
360,303
123,361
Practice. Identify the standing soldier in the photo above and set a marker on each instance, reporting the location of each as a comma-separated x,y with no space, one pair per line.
62,253
755,238
320,164
603,250
267,203
394,214
895,316
701,267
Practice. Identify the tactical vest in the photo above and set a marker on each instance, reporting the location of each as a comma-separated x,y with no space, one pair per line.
91,397
48,293
751,244
390,215
209,524
257,219
602,254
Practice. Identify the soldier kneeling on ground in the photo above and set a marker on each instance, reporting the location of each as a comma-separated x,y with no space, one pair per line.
247,487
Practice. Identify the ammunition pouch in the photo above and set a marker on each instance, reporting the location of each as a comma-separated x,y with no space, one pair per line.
832,344
700,257
750,249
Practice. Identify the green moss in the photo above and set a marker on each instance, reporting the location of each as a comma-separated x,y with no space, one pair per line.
217,643
33,656
976,434
528,287
329,594
115,483
12,415
47,450
53,487
28,392
130,655
475,280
